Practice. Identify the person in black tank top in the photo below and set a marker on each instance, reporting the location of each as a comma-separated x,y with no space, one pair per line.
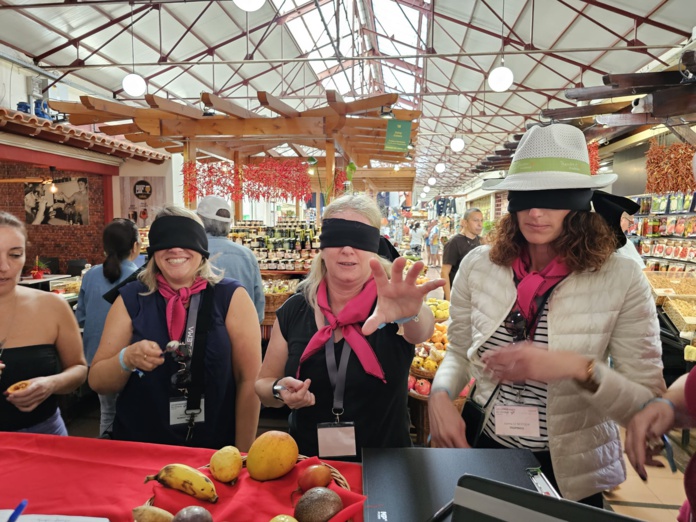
40,346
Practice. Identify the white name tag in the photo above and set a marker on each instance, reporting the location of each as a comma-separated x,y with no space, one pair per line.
517,421
177,412
336,439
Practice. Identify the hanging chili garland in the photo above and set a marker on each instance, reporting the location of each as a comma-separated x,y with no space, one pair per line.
669,168
593,152
270,179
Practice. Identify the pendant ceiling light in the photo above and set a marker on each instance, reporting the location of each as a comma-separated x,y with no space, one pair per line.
500,79
432,181
249,5
440,168
457,144
133,83
422,195
426,189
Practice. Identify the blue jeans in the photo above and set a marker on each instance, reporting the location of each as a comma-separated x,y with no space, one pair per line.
107,406
54,425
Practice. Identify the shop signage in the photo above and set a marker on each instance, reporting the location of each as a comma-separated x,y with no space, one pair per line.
142,189
398,136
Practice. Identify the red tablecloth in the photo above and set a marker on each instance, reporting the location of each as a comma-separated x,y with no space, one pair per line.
104,478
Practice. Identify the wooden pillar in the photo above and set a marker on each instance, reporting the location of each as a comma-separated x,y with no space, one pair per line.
297,209
189,155
236,157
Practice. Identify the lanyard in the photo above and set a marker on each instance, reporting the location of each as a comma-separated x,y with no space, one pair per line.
190,332
337,375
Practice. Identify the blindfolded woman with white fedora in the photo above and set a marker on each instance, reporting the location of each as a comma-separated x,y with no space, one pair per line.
537,315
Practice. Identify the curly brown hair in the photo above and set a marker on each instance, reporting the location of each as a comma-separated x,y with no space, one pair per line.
585,243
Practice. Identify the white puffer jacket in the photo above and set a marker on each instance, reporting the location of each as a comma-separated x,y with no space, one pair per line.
599,314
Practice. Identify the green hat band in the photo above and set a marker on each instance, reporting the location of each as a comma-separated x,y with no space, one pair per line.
522,166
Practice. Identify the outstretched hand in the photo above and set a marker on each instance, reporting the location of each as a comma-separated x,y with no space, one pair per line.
399,297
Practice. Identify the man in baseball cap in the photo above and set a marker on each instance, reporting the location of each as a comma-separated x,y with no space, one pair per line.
236,261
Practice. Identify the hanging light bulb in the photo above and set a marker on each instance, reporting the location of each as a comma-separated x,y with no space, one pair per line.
457,144
133,83
422,195
500,79
431,181
53,189
440,168
426,189
249,5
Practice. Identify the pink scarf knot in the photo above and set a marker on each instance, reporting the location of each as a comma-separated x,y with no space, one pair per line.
534,284
177,301
349,320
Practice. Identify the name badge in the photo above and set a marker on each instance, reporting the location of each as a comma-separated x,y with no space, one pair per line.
177,412
336,439
517,421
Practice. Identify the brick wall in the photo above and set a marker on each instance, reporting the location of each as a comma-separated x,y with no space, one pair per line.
501,203
63,242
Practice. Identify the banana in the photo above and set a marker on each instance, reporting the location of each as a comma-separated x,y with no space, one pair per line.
186,479
151,514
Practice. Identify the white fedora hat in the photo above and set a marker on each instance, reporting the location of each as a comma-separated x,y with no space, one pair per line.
548,158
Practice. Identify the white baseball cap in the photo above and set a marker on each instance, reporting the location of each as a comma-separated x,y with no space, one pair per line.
209,207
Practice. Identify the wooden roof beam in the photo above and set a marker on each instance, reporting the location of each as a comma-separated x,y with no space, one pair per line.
117,130
586,110
371,103
172,107
300,127
276,105
335,101
226,106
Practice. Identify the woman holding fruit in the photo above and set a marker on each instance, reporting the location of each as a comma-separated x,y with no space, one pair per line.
180,346
536,316
341,348
40,347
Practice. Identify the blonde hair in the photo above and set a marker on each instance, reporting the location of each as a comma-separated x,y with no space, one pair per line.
359,204
206,270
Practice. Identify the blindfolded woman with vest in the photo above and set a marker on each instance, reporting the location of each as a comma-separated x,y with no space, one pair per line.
537,315
341,348
181,346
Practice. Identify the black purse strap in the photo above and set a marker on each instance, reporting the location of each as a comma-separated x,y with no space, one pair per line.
195,390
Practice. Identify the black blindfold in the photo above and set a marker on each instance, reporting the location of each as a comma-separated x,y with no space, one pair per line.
343,232
177,232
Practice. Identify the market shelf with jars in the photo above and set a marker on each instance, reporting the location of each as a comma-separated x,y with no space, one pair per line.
664,231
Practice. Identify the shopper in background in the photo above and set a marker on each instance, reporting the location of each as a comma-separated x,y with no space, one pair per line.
417,236
460,245
536,317
152,351
235,261
39,343
348,310
434,244
675,409
629,249
122,246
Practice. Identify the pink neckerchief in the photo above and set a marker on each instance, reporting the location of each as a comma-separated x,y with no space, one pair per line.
534,284
177,300
356,312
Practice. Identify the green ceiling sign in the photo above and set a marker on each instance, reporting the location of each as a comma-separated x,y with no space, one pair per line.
398,136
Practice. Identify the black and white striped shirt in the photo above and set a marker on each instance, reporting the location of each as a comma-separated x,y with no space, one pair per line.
531,393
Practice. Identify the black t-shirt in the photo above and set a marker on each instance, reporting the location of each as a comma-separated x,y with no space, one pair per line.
456,248
379,410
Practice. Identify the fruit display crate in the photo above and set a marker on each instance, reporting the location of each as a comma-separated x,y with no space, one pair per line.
418,407
671,284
